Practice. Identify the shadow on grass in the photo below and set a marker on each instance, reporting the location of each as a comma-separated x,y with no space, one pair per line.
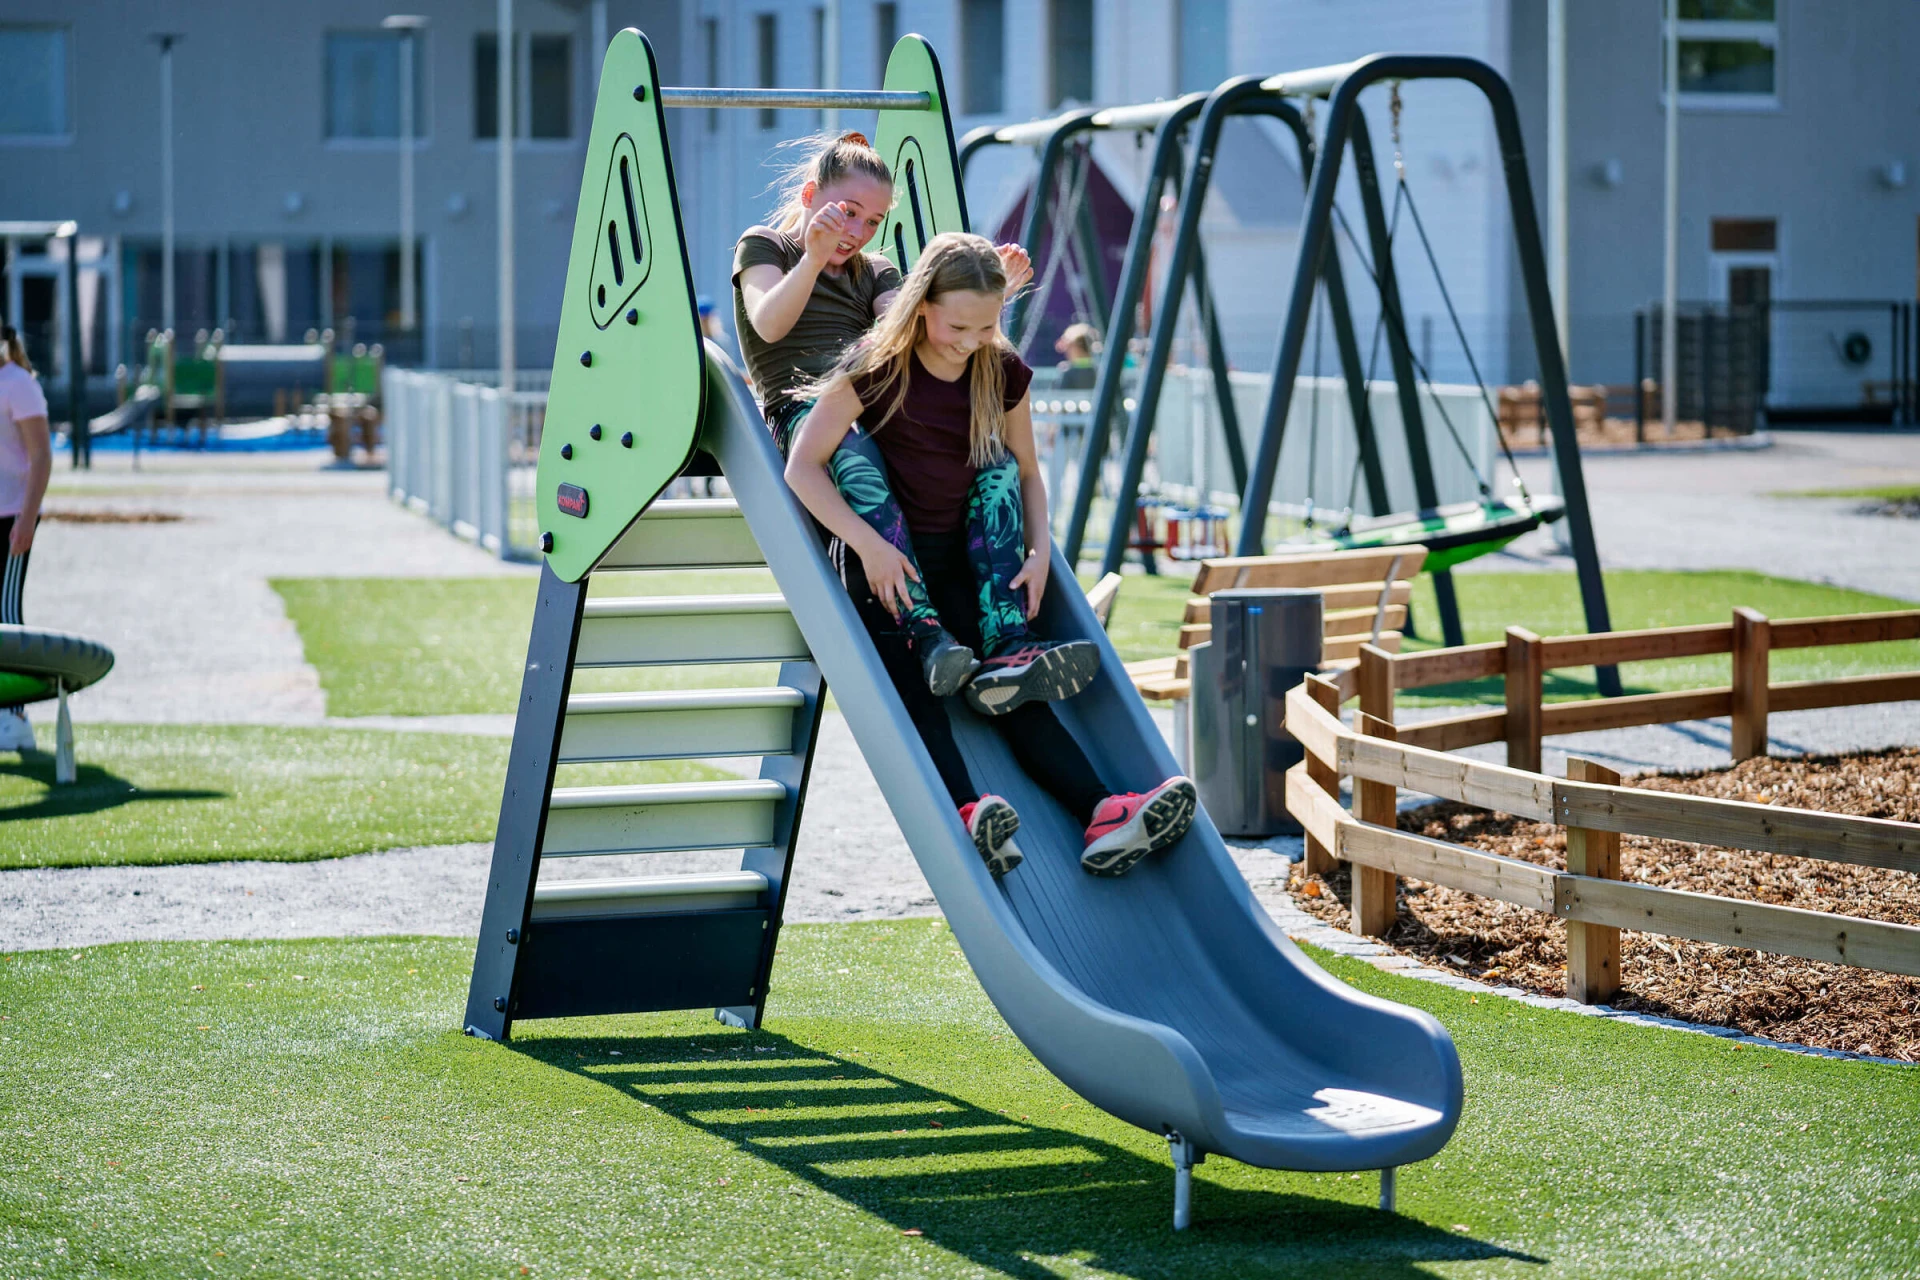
989,1185
94,789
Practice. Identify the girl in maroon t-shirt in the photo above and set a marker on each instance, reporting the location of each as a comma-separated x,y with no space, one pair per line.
943,491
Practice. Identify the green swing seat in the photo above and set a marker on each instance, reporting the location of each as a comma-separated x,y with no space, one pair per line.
1451,534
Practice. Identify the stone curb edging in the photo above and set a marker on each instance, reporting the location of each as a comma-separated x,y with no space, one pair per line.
1302,927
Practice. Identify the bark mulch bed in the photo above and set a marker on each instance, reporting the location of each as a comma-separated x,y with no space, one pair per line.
1802,1001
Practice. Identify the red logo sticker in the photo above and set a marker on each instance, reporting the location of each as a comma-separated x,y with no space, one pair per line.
572,499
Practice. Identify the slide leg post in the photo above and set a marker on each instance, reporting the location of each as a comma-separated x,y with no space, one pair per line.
64,769
1184,1158
1387,1189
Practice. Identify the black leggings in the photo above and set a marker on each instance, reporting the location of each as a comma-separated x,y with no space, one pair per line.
1042,745
13,577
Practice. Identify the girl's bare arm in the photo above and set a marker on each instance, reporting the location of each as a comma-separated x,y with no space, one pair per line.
808,476
774,300
35,436
1037,524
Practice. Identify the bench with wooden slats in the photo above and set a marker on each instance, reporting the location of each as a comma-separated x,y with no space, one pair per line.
1365,595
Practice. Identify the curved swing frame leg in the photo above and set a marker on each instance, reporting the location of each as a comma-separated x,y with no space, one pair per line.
1243,96
1315,243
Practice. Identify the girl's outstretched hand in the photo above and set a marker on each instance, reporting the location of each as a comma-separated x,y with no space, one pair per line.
888,569
1033,576
1018,266
826,229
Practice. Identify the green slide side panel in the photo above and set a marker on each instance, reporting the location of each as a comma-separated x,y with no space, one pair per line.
928,197
628,359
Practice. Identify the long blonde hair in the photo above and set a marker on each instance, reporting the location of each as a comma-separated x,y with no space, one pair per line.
953,262
16,349
824,159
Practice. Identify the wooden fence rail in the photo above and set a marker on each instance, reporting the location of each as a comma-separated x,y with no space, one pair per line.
1380,759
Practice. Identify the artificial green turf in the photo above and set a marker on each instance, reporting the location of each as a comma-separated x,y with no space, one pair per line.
300,1108
1881,493
447,646
1146,624
199,793
387,646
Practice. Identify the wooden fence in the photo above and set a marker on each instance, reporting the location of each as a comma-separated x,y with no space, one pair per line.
1381,757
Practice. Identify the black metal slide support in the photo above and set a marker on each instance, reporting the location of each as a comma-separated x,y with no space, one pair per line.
1400,355
1242,96
1315,241
1126,302
775,861
1050,152
523,804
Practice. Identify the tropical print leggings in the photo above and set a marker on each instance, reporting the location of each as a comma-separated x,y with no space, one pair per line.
996,542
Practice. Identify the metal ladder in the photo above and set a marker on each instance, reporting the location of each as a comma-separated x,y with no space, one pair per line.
649,943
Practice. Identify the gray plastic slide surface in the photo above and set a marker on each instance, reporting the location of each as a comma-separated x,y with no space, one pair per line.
1166,997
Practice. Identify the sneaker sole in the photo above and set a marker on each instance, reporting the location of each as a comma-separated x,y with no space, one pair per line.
951,673
995,829
1055,675
1160,822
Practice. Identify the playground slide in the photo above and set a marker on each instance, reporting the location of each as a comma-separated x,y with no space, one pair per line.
1166,997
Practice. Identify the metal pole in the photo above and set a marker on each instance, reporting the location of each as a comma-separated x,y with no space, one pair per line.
1670,278
1050,153
166,179
1557,267
830,61
598,18
504,113
79,434
408,318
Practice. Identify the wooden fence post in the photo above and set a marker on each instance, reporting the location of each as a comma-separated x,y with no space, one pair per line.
1752,636
1376,682
1375,903
1593,950
1523,699
1319,859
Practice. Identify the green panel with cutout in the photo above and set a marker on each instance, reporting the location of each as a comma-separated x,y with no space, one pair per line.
928,197
628,361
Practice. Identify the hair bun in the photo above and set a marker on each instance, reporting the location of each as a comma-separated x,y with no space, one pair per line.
856,137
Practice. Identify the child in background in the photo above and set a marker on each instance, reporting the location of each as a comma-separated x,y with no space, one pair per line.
1076,347
804,292
944,399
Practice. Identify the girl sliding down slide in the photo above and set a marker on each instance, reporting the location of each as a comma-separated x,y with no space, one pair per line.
944,399
804,292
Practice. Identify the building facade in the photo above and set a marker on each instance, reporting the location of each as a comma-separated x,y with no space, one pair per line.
1795,151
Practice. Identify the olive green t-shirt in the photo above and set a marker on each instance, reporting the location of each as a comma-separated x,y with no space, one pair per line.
838,314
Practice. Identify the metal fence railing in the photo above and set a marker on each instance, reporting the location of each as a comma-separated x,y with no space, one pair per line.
464,455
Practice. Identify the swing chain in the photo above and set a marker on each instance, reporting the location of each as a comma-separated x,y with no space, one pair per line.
1393,103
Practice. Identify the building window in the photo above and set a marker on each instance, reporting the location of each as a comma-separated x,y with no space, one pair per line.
363,84
766,31
1070,39
1729,52
542,86
36,90
886,34
983,56
1202,35
710,34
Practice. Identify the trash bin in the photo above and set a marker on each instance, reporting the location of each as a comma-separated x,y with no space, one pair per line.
1263,643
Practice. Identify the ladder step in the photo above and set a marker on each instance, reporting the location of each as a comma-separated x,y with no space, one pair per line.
685,533
639,963
649,895
661,817
670,630
679,725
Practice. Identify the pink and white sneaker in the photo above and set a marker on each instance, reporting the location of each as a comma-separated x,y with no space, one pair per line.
991,822
1037,671
1126,828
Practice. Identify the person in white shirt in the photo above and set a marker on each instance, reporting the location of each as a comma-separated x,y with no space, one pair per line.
26,462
